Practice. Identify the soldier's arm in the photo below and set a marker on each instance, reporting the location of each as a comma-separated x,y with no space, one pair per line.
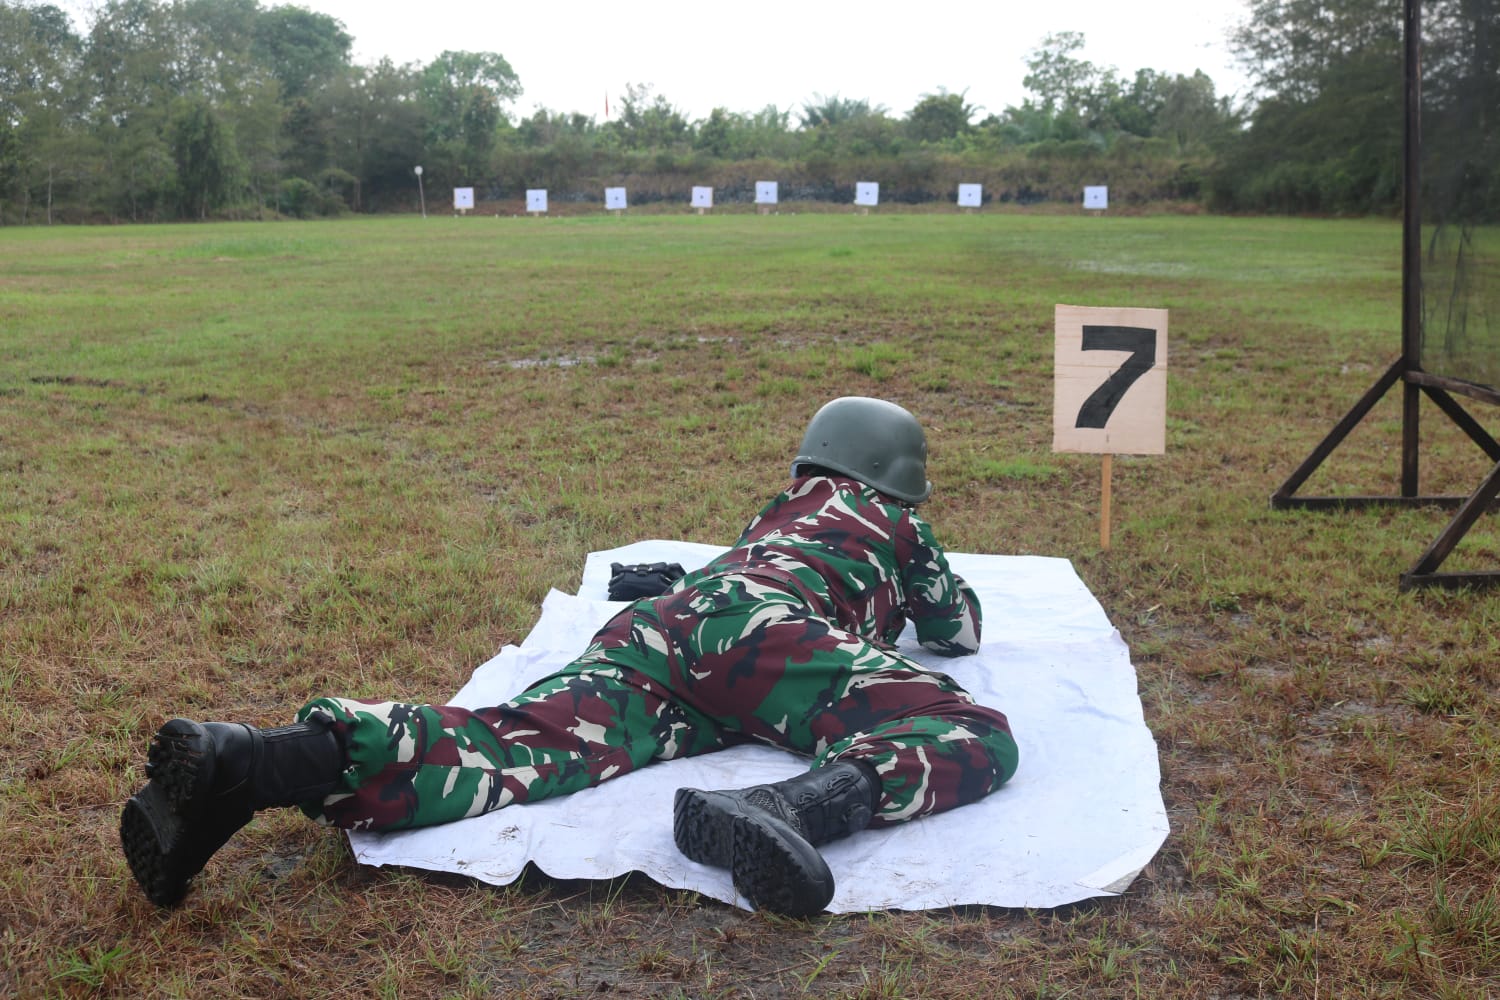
944,609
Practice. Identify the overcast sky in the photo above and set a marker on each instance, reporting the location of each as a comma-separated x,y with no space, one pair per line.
743,56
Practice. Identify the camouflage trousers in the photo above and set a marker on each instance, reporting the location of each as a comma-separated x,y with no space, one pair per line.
732,659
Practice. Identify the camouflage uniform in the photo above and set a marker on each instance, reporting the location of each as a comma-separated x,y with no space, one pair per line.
787,639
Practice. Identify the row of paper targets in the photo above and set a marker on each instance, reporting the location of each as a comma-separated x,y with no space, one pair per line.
866,195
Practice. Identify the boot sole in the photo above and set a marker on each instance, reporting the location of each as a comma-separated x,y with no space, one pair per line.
771,864
165,836
148,831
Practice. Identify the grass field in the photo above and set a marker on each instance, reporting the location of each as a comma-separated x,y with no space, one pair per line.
242,465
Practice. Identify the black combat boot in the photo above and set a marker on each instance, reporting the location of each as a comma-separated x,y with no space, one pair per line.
767,835
206,781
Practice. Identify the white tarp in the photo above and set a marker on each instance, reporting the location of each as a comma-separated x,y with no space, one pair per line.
1081,818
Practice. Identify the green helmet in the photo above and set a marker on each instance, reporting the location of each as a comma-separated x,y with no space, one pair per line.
871,440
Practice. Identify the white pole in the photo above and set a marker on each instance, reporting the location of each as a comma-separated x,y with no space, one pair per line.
422,197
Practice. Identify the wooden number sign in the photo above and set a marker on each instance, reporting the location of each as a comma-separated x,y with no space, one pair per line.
1110,388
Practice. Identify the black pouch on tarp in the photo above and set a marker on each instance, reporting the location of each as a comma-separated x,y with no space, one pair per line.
638,580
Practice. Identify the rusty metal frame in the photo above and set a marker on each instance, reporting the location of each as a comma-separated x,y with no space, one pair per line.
1415,383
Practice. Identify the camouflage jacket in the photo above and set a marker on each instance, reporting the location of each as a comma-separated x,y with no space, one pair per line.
860,559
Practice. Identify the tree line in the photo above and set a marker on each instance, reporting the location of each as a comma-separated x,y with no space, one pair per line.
195,109
1327,135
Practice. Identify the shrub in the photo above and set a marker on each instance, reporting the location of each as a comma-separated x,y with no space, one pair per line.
298,197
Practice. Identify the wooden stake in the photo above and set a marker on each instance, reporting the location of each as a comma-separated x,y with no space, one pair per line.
1106,473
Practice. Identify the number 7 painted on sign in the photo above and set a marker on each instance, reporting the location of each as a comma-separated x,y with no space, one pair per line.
1110,381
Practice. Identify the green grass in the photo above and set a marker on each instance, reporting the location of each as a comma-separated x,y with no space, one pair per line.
244,465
